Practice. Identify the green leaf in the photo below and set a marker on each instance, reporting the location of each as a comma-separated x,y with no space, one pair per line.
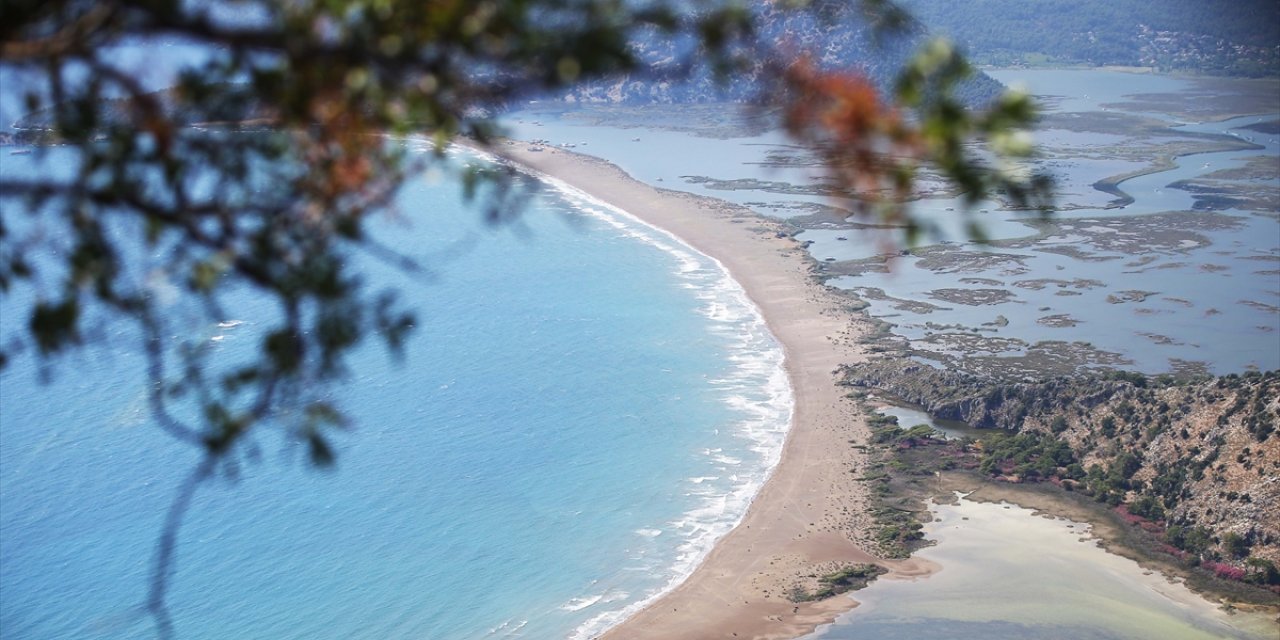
205,275
54,326
320,452
323,413
284,348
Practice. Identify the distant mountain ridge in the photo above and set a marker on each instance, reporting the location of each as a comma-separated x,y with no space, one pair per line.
1240,38
836,37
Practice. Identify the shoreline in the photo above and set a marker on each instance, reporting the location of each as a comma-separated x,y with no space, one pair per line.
1108,534
812,512
811,516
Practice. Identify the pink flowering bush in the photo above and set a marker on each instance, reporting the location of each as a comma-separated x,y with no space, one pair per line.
1224,571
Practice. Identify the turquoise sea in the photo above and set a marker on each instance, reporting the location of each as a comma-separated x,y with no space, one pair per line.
586,405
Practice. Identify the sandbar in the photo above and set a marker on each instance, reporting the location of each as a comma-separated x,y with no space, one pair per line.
812,515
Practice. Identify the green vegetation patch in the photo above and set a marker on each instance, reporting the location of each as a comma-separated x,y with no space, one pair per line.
850,578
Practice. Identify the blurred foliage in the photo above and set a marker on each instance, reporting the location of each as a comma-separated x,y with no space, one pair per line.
261,166
258,170
875,147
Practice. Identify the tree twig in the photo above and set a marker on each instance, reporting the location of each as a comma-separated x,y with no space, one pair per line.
162,565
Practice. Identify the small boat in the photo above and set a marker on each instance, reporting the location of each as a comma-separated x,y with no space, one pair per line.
20,152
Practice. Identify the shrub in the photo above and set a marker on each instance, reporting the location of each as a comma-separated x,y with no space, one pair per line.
1236,545
1058,424
1224,571
1261,571
1108,426
1148,507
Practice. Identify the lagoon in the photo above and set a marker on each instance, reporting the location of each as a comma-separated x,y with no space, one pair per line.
1215,292
1005,571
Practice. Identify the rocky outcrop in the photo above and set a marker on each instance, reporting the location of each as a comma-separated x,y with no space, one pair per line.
977,401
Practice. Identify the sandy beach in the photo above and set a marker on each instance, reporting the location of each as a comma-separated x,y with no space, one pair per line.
812,513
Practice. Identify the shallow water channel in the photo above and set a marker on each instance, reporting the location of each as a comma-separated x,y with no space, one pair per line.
1145,284
1149,285
909,416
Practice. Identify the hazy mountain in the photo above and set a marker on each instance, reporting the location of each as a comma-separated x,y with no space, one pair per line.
838,37
1227,38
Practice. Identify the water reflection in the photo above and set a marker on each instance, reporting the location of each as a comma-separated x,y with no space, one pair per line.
909,417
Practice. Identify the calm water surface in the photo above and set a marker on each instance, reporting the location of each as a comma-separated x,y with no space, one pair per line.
586,406
1007,573
1214,299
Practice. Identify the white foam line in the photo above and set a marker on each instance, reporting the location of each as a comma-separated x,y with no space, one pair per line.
717,514
756,352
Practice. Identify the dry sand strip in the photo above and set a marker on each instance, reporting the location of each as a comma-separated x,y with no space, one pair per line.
812,513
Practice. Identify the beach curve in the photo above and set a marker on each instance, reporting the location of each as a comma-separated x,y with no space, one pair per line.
812,514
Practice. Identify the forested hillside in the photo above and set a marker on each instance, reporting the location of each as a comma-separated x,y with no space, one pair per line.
1194,462
1233,38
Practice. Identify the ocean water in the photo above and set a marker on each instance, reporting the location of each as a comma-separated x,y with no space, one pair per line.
586,405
